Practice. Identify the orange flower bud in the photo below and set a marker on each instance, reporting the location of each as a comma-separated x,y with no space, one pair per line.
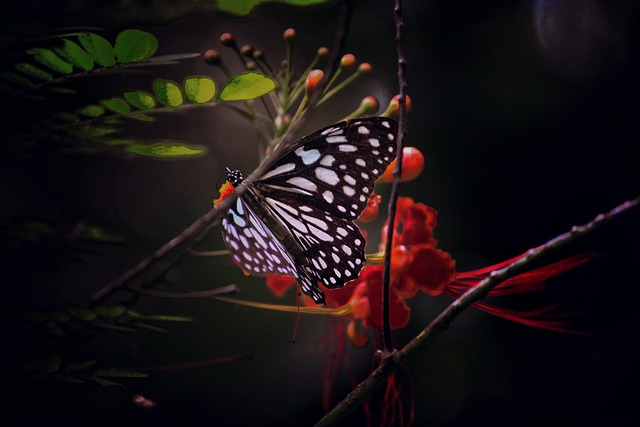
364,68
212,57
369,105
323,52
393,110
227,40
313,79
348,61
247,50
290,35
412,165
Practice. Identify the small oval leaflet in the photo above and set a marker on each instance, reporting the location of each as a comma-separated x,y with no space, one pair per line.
141,100
247,85
168,93
98,48
135,45
75,55
199,89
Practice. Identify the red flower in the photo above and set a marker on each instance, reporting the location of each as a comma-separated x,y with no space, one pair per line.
415,261
370,212
414,224
279,285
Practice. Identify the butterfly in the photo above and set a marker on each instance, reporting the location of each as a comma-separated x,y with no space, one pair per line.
297,218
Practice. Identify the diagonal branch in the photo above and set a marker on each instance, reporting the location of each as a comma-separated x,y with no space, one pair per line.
393,361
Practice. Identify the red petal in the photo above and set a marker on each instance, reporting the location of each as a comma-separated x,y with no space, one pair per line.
431,269
398,311
279,285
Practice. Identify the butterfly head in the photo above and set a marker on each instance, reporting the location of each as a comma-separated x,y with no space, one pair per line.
234,176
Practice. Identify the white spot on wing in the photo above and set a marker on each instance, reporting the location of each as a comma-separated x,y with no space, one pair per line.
287,167
349,191
327,175
303,183
327,160
347,148
363,130
328,196
335,139
308,157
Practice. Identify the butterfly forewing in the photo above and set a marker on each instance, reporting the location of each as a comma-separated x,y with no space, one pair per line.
336,167
312,194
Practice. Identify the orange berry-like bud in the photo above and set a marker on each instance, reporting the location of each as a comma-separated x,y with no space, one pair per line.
212,57
290,35
323,52
313,79
412,165
364,68
257,54
369,105
393,110
227,40
348,61
247,50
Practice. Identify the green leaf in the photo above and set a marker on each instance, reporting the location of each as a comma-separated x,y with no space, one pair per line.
59,316
92,131
142,117
92,111
67,117
119,373
16,79
33,71
70,380
98,48
245,86
165,150
49,59
168,93
162,317
140,100
110,310
199,89
117,105
82,313
150,327
51,364
63,90
105,383
79,366
118,328
75,55
135,45
243,7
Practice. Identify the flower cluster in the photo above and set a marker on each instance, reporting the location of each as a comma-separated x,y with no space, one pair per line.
417,264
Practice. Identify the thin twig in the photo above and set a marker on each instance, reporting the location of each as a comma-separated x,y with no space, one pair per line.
397,173
399,358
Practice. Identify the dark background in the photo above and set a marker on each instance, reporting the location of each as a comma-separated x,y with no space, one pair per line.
526,112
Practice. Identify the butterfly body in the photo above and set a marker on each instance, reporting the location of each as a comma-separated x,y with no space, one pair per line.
297,219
